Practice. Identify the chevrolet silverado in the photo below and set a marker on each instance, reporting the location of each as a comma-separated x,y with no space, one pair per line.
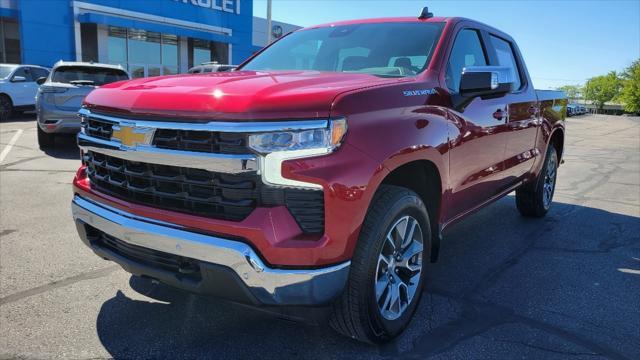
323,171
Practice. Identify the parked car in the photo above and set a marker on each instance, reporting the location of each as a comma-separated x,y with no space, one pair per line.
211,67
61,93
571,110
318,178
18,88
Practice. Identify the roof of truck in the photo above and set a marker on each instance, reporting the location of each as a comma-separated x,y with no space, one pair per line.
382,20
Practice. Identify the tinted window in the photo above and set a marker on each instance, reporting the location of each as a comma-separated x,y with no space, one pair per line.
467,51
5,71
98,76
382,49
507,59
38,73
24,72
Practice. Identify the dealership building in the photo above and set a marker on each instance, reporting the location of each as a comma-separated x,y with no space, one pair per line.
147,37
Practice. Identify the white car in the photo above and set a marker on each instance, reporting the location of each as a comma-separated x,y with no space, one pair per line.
18,88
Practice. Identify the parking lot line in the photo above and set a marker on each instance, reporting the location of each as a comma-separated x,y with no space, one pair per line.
7,148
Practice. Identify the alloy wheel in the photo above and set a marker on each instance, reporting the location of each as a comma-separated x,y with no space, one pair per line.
549,182
399,268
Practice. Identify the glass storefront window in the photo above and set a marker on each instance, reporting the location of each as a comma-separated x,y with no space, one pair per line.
9,41
201,51
117,46
148,53
143,47
169,54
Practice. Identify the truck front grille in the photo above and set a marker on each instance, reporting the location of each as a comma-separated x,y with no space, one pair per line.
98,128
200,192
201,141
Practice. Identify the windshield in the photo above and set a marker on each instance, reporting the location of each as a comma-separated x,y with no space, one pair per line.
87,75
5,71
382,49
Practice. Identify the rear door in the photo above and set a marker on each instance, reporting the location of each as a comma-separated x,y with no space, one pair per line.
478,132
522,121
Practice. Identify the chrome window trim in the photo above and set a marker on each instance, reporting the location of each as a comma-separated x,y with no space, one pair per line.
270,285
216,126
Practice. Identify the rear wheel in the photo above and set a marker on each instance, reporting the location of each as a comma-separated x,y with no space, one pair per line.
6,107
387,270
45,140
534,199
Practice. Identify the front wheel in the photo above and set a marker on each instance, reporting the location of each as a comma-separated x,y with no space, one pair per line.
534,199
387,270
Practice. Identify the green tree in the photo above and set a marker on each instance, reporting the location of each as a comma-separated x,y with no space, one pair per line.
572,91
601,89
630,93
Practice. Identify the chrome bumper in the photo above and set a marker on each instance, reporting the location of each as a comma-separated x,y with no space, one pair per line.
268,286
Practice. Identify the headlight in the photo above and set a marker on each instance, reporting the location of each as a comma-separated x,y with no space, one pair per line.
326,139
280,146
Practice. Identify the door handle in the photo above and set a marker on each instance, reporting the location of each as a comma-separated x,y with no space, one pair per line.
499,115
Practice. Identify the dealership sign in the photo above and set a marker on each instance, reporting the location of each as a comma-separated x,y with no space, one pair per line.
230,6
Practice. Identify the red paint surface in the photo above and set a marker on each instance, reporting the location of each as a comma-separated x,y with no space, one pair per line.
478,157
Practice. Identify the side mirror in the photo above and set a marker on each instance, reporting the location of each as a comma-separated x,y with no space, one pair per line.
41,80
486,82
18,79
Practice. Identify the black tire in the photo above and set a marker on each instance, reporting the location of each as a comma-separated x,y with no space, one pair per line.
531,199
357,312
6,107
45,140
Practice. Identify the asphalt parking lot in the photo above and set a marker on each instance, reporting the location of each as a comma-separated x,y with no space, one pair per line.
505,287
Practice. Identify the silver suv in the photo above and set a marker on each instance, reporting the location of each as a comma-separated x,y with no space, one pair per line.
60,95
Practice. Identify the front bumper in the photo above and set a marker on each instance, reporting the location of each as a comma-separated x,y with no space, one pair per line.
227,268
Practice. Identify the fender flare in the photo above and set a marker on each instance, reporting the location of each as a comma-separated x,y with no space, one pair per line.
403,157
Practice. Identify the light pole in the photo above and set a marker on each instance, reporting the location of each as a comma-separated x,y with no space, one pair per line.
269,22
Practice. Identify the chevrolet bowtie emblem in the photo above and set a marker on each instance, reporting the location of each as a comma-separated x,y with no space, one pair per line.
131,136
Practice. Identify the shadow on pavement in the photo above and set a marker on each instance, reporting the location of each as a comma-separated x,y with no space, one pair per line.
23,117
65,147
505,287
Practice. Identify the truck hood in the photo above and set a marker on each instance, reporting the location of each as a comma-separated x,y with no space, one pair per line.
238,95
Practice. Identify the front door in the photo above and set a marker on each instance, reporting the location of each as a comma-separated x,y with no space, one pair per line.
478,133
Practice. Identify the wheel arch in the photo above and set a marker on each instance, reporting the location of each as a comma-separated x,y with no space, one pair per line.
557,140
424,178
8,97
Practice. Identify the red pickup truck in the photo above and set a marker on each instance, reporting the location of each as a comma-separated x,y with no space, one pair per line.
322,171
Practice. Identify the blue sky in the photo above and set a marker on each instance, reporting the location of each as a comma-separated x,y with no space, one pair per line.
562,41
